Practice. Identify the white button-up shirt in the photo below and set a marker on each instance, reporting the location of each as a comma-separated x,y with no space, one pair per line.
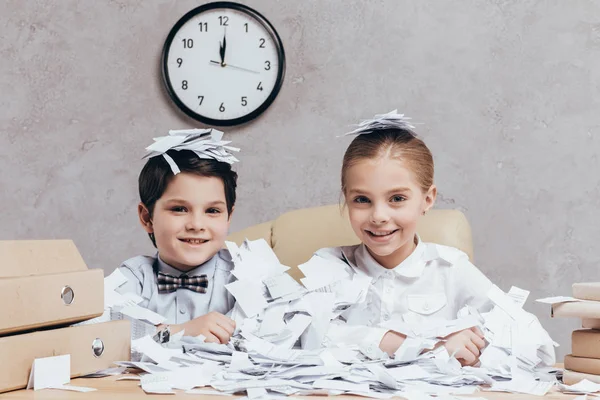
435,281
181,305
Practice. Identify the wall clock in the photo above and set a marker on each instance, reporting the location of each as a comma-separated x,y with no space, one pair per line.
223,63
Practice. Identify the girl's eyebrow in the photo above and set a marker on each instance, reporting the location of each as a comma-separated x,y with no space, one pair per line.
400,190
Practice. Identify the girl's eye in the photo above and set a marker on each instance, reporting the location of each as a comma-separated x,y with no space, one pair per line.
178,209
361,200
213,211
397,199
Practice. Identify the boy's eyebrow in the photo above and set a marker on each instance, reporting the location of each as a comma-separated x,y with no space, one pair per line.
178,200
216,202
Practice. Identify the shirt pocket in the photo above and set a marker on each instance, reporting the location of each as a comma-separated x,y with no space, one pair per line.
426,304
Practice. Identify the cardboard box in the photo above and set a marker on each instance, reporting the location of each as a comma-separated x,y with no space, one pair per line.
587,291
17,352
572,377
46,283
582,364
577,310
585,343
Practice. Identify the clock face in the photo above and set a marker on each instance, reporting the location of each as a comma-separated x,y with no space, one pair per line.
223,63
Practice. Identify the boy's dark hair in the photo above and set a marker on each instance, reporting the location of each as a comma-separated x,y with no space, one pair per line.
156,176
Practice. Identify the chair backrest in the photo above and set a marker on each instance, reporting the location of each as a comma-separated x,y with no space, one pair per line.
296,235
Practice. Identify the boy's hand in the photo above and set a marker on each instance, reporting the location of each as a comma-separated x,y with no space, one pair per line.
216,327
465,345
391,342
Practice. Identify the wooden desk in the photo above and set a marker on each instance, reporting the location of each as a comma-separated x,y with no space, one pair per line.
110,388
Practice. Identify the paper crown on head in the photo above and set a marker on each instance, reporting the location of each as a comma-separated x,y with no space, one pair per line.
206,143
391,120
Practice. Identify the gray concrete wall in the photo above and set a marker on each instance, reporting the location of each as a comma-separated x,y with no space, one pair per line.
508,92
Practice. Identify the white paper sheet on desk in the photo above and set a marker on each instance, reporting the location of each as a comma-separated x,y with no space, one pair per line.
153,350
142,314
412,347
157,384
272,320
50,371
114,280
296,326
504,302
282,285
518,295
320,272
527,386
319,306
72,388
255,260
341,385
248,294
583,386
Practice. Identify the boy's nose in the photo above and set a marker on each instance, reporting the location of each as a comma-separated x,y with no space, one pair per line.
195,223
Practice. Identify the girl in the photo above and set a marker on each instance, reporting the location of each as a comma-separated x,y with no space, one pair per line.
387,183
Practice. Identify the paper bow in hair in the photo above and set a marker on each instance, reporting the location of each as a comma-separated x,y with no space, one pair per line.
391,120
206,143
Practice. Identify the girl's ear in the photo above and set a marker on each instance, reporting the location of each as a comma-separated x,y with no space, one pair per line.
430,198
145,218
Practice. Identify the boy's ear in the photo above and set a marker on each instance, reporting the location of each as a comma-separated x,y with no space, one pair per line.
145,218
230,214
430,198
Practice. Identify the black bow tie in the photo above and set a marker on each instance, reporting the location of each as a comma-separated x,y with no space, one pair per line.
169,283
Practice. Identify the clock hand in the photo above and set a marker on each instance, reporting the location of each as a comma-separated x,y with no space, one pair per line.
224,48
212,62
222,54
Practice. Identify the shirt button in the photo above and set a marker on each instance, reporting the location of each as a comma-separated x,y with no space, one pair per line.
386,316
426,307
182,310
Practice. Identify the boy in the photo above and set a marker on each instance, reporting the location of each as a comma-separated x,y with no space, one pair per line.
187,197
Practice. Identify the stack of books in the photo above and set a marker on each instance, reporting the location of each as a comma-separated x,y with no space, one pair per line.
584,360
45,287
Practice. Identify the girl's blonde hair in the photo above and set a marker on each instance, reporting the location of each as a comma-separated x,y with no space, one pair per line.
398,144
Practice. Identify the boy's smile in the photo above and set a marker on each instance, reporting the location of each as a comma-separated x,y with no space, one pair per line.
190,220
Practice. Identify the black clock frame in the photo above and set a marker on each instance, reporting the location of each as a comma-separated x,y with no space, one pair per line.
280,53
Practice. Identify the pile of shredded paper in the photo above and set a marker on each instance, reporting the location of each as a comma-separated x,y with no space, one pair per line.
280,347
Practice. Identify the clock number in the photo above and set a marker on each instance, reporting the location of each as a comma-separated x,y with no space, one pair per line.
259,87
179,62
187,43
201,98
262,43
244,101
224,21
246,25
203,26
222,107
267,65
184,85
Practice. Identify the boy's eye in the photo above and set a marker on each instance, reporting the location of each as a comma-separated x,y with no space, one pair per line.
397,198
213,211
361,200
178,209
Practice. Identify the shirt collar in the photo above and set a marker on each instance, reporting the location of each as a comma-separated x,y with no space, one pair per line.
199,270
412,267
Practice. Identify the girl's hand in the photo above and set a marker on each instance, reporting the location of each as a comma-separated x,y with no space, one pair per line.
465,345
391,342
